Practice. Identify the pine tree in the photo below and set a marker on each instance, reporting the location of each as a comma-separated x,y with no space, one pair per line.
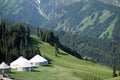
118,58
56,49
38,32
28,31
21,47
114,70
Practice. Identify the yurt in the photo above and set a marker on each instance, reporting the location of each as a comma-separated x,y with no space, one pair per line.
21,64
38,60
24,66
15,63
4,68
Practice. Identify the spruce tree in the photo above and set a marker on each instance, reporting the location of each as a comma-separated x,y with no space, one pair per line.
56,49
114,71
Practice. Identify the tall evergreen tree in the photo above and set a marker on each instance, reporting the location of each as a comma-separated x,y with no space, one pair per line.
118,58
56,49
114,69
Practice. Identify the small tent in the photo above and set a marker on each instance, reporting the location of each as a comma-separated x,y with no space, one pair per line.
4,68
38,61
21,64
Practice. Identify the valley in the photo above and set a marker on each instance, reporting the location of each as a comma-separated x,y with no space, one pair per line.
63,67
80,38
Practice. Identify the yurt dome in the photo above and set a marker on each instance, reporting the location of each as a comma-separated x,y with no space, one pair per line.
25,64
22,64
3,65
38,60
16,63
4,68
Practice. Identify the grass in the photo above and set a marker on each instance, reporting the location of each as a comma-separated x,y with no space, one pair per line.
117,78
88,21
63,67
106,14
109,30
65,25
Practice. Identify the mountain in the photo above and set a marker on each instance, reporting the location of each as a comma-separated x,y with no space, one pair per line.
16,41
80,23
88,17
112,2
91,18
33,12
20,10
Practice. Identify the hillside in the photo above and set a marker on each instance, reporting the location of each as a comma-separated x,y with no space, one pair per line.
117,78
91,18
63,67
90,27
71,19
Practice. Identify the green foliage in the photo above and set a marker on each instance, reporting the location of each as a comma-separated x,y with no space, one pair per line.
101,50
64,67
56,49
49,37
91,18
114,71
15,42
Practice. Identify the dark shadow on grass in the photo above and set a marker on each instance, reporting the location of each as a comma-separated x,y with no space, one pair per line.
35,71
12,72
63,54
50,65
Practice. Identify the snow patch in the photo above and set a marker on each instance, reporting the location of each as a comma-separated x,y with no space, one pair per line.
37,2
37,5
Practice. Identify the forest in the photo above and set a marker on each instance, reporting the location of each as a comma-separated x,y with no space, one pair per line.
103,51
52,38
15,41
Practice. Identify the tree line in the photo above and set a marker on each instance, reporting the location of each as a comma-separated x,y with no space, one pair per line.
103,51
52,38
15,41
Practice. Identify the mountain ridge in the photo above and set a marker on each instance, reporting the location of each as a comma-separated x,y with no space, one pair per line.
88,17
91,20
90,27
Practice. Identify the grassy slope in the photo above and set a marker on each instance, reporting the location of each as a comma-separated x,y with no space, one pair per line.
63,67
117,78
109,30
106,14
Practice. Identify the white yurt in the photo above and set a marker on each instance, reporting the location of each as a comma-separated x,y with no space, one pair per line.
25,66
21,64
4,68
38,60
15,63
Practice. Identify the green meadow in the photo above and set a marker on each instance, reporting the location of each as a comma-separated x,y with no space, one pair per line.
63,67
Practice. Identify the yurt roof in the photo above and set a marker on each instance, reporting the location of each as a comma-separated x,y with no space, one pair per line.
25,64
3,65
19,61
37,58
